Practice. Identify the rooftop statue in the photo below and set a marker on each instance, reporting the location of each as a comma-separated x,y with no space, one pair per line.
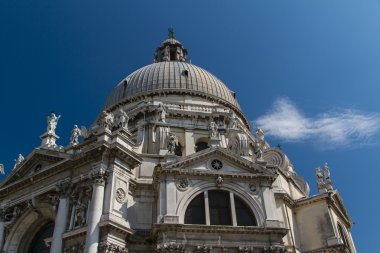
19,160
52,122
75,133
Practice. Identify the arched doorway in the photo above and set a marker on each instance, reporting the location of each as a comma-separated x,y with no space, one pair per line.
38,244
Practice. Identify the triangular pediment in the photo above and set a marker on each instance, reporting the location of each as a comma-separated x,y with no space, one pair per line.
207,160
36,161
339,206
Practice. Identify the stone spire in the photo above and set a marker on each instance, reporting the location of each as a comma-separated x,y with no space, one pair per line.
170,49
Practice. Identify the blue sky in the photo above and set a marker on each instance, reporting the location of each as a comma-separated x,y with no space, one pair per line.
306,71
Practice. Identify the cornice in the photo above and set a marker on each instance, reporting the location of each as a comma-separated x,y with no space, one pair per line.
190,228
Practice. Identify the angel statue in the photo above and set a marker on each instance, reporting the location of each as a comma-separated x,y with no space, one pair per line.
52,122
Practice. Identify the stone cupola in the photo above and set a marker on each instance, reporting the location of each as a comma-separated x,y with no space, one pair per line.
170,50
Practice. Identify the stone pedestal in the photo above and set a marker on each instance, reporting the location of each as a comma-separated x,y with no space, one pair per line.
48,140
214,142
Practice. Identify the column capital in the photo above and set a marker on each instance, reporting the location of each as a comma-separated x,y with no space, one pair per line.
99,174
64,188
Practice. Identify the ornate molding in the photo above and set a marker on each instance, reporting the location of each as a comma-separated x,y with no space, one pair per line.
107,247
170,247
203,249
274,249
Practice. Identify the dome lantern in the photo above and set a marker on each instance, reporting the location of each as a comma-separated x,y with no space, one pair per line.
170,50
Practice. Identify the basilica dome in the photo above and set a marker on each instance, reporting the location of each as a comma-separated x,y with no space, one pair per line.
171,77
171,73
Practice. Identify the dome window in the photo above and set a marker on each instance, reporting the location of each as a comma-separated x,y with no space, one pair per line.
185,73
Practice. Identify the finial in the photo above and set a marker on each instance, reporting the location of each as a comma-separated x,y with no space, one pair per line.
171,32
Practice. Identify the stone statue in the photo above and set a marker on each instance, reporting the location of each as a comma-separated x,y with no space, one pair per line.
19,160
233,122
161,113
213,129
172,143
122,119
80,214
219,181
328,182
324,182
320,181
52,122
258,151
260,135
166,53
106,119
75,133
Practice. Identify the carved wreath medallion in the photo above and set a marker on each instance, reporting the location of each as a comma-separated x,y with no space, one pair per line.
120,195
183,184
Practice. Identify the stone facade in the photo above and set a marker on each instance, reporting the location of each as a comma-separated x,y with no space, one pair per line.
170,165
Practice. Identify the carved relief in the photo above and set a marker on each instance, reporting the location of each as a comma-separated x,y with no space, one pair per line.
219,181
107,247
120,195
183,184
170,247
80,199
204,249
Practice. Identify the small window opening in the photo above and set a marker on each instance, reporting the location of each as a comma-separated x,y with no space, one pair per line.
172,55
185,73
201,146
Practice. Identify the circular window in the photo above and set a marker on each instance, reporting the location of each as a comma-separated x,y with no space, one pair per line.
216,164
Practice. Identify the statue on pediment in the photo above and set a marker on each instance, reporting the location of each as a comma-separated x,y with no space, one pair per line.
19,160
75,133
52,121
106,119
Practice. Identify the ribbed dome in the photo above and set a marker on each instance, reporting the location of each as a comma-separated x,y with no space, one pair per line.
170,77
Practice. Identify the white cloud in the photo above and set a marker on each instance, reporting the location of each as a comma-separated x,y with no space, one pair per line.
336,128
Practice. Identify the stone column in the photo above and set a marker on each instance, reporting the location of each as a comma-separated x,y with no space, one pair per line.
233,210
207,208
61,218
99,175
2,228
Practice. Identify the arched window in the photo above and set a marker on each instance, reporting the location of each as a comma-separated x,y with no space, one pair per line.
220,208
38,244
224,208
244,215
195,213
